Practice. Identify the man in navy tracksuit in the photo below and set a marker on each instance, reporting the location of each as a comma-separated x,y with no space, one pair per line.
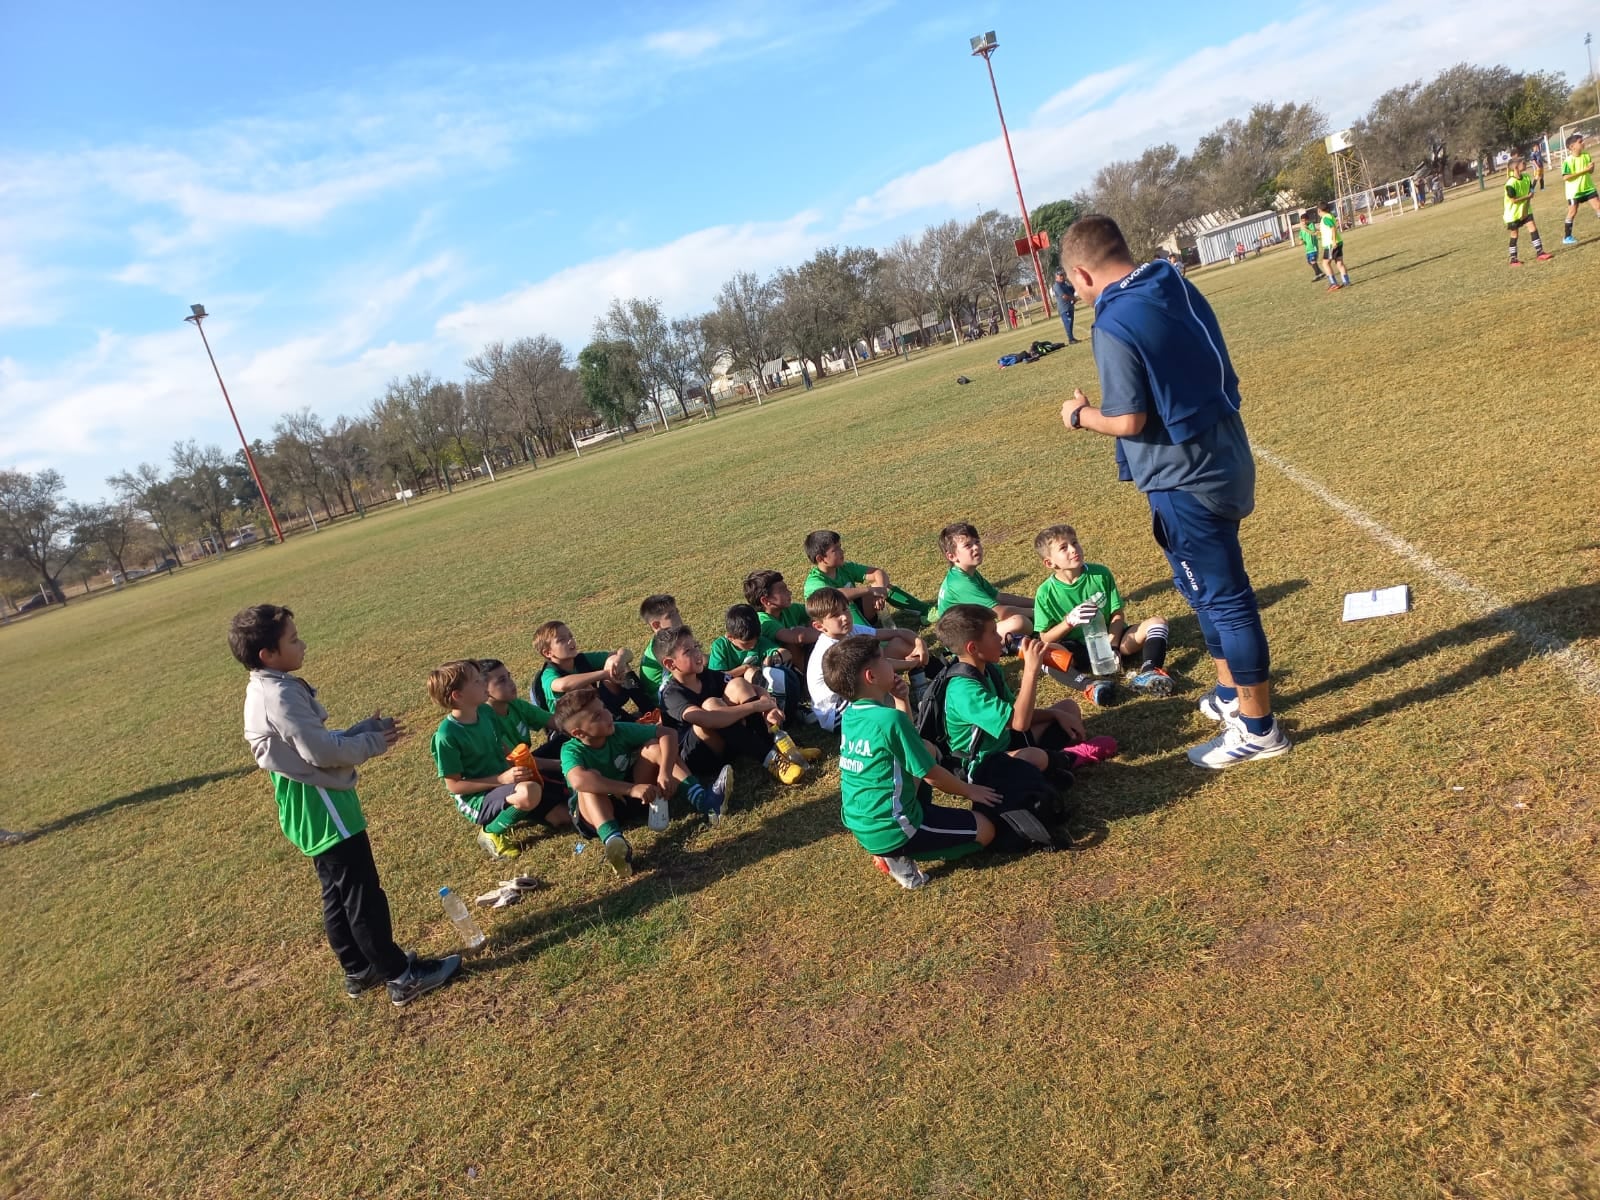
1169,395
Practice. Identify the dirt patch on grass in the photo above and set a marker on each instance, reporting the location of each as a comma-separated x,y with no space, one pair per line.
1260,941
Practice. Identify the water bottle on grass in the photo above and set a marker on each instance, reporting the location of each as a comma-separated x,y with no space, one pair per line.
659,817
454,908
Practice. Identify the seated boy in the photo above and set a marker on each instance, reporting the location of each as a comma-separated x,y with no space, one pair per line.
615,769
746,651
659,611
565,670
831,616
867,588
1069,598
517,721
965,584
472,762
783,619
999,739
879,756
720,719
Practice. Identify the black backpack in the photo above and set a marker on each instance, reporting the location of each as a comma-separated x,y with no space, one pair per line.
929,720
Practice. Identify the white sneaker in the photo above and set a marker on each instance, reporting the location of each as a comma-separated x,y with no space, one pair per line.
1221,711
901,869
1235,745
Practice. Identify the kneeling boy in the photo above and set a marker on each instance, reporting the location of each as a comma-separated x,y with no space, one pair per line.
880,755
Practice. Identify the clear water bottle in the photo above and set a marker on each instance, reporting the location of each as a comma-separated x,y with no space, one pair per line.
454,908
1102,658
659,817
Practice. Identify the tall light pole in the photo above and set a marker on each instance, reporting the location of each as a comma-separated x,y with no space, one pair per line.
197,315
982,47
1593,78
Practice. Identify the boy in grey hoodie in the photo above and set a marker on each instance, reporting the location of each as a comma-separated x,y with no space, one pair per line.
314,778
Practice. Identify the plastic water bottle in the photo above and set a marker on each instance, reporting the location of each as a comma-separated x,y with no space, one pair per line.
786,746
659,817
454,908
1102,658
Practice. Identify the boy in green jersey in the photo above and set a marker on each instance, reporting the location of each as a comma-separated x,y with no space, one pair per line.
867,588
515,720
313,770
1519,208
1308,239
782,617
615,769
1332,246
566,670
747,652
659,611
964,583
471,759
881,758
1577,173
1076,592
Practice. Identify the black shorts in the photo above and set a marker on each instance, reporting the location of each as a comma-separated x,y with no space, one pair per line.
493,804
1584,198
1014,779
1336,253
1513,226
941,829
1053,738
746,740
625,810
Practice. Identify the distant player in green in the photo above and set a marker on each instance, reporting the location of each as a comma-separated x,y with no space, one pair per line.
880,760
782,617
1308,239
615,769
1075,592
1332,247
659,611
471,759
1577,173
867,588
1519,208
964,584
566,670
313,771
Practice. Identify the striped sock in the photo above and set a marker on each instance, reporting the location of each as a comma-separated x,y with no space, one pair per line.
1155,644
608,830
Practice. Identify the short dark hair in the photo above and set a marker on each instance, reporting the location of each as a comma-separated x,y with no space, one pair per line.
571,704
954,530
1093,241
257,628
826,602
1050,535
846,659
1325,206
1573,137
963,623
445,680
487,666
666,641
742,622
758,585
819,542
654,607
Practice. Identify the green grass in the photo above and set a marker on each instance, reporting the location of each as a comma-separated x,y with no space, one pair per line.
1364,970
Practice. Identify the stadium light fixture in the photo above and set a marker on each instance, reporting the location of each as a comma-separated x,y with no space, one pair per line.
984,45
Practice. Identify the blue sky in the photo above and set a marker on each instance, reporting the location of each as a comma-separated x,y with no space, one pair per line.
357,191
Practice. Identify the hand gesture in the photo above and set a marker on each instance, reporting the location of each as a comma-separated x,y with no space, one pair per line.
1032,653
764,703
1083,614
646,791
979,794
391,729
900,688
617,667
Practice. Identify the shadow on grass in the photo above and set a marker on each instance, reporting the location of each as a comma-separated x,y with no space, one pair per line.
1421,262
1266,596
1543,627
159,791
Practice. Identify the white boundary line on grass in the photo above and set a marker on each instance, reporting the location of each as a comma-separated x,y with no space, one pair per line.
1575,665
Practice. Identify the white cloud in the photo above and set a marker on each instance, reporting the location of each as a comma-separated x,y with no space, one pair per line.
685,43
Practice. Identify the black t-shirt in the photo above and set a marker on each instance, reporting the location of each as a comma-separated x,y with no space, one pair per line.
676,699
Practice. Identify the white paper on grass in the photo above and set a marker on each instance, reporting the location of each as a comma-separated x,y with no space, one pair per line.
1380,602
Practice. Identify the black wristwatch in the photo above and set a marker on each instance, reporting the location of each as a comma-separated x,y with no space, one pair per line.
1076,414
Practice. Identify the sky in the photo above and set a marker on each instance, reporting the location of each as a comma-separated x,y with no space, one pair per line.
359,191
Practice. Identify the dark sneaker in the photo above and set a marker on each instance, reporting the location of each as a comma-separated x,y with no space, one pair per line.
1151,681
365,981
422,977
717,807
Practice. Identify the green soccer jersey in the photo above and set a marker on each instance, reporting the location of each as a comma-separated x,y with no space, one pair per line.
649,669
1308,239
470,751
615,759
959,587
543,691
850,575
521,721
880,760
977,717
792,617
1056,598
315,818
1331,234
1581,165
725,656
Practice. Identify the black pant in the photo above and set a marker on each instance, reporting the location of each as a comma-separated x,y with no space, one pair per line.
355,912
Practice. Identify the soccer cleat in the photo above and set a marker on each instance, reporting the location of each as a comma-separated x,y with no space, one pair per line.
1569,240
1099,692
718,796
1516,262
1235,745
1151,681
783,770
811,754
496,845
422,977
1094,750
1224,711
1333,287
361,982
619,855
902,870
1544,256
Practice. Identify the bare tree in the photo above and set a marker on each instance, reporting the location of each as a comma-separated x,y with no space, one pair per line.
298,445
640,325
202,472
745,322
35,527
154,498
697,341
109,527
1148,197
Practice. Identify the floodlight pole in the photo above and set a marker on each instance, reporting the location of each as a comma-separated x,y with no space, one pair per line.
197,315
1593,78
982,47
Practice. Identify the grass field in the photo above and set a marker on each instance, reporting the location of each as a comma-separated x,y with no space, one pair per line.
1367,969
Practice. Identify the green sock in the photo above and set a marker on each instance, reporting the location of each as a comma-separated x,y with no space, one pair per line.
904,599
507,818
608,830
954,852
693,791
